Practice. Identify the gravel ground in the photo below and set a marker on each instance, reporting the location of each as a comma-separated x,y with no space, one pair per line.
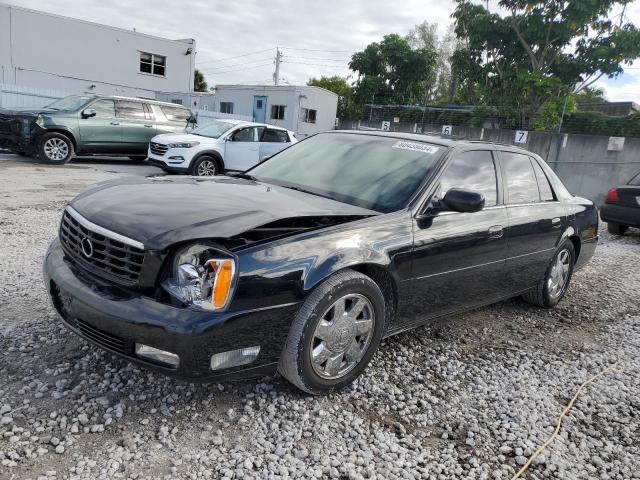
467,397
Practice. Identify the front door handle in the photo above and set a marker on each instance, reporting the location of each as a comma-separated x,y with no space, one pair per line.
115,123
148,126
496,231
556,222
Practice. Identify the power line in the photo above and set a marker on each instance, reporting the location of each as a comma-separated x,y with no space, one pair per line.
237,56
236,65
318,64
238,70
318,58
320,50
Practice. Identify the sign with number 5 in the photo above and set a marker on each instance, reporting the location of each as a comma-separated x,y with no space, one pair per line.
522,136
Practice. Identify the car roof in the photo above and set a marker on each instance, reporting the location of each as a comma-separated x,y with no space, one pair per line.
245,123
137,99
437,140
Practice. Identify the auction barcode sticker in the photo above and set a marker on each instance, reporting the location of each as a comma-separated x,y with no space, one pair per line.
416,147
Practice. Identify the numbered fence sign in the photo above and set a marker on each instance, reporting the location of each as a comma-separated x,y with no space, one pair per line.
447,129
522,136
386,126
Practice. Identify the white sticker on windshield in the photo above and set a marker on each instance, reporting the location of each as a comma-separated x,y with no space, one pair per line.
416,147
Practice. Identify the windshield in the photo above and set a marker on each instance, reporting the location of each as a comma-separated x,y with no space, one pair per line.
70,103
214,129
374,172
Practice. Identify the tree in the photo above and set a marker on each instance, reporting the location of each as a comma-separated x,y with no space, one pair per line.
590,95
199,83
347,108
425,35
542,50
392,72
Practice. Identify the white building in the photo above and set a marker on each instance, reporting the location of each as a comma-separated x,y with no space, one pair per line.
45,51
303,109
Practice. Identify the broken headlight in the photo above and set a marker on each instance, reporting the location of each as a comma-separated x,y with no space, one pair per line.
202,277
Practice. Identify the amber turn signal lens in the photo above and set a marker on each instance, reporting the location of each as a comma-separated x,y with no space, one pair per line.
222,284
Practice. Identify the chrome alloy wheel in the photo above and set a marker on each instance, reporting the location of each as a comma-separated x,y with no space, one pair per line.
56,149
206,168
559,274
342,336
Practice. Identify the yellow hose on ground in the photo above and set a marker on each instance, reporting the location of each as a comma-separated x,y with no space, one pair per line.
564,413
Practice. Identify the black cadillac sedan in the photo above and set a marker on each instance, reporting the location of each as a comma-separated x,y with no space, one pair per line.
307,261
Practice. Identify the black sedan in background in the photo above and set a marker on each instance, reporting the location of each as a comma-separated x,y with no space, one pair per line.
622,207
305,262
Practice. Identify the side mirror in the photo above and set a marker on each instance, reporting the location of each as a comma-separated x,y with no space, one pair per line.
460,200
89,112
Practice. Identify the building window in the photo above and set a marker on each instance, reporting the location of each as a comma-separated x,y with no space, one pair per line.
153,64
277,112
226,107
177,101
309,115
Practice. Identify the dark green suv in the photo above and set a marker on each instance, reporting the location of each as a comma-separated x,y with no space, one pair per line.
90,125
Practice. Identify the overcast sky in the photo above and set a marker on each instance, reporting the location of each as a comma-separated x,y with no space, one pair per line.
316,37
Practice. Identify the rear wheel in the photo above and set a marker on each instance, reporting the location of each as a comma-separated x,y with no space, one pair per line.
205,166
616,228
56,148
335,333
550,290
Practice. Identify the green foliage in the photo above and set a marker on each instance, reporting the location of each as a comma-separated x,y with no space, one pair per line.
590,95
540,51
347,108
392,72
199,83
596,123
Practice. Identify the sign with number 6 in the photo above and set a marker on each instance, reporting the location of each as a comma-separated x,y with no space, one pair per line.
447,130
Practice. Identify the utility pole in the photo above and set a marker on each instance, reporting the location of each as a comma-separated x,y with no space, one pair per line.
276,74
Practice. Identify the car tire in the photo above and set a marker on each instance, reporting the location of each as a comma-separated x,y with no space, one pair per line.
550,290
138,158
55,148
321,355
616,229
205,166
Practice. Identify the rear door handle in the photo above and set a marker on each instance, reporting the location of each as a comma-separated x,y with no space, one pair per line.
496,231
148,126
115,123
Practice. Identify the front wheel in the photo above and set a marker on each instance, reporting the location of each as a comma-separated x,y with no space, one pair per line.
205,166
56,148
550,290
335,333
616,228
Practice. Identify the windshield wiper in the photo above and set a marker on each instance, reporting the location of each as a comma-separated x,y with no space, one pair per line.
246,176
303,190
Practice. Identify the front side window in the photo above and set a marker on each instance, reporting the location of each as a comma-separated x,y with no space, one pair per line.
277,112
126,109
226,107
546,192
245,135
635,181
309,115
152,63
374,172
473,171
104,108
521,178
275,136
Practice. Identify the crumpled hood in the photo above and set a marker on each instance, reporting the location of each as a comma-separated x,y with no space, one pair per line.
161,211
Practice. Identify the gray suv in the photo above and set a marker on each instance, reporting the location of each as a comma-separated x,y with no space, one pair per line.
90,125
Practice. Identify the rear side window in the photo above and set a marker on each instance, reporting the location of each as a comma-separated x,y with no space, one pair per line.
546,192
472,171
175,114
521,179
275,136
127,109
635,181
104,108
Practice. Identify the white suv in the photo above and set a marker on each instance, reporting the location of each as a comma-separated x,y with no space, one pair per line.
218,146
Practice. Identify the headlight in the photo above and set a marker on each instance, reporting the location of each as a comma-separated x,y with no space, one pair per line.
202,277
184,145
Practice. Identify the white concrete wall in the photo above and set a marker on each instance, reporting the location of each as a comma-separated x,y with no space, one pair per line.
294,98
48,51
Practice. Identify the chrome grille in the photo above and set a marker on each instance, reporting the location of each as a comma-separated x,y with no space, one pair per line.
109,257
158,148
